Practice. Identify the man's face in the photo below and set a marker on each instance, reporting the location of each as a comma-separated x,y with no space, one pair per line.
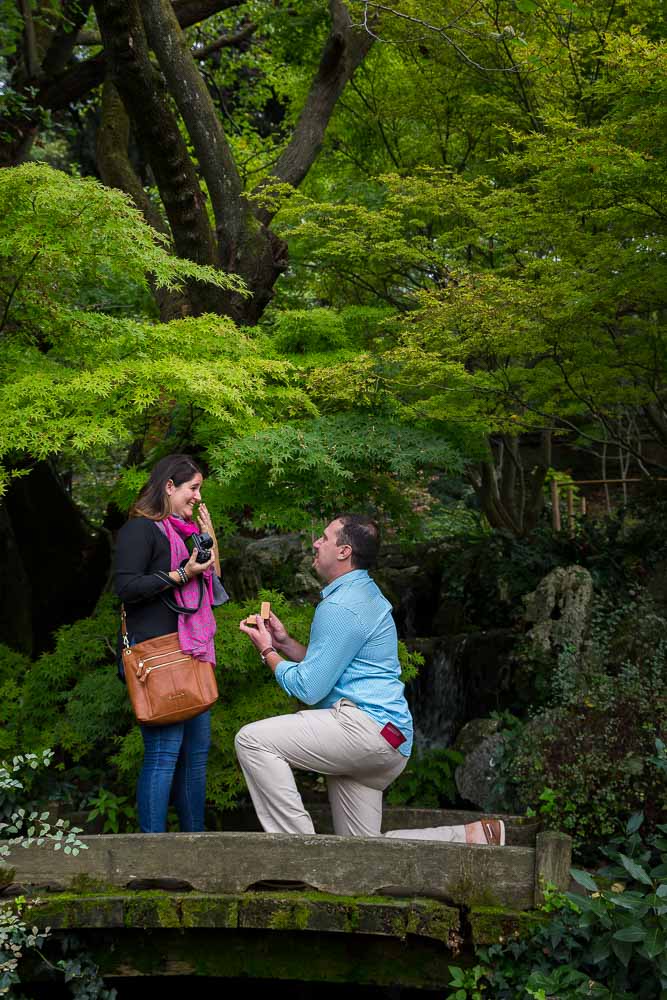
329,555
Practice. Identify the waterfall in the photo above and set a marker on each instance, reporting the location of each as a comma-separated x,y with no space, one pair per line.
437,696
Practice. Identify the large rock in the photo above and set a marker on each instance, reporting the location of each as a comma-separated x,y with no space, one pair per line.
476,777
560,609
278,562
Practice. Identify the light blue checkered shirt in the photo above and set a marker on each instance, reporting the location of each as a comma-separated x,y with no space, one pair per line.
353,654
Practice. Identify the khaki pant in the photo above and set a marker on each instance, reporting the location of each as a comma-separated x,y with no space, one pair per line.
450,834
341,742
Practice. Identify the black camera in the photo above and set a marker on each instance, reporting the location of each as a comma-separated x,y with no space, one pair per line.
203,544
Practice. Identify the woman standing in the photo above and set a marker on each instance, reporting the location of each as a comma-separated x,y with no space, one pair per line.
155,572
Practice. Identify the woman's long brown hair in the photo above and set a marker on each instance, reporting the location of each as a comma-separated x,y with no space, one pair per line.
153,501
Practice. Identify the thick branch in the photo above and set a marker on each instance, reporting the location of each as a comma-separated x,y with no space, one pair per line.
344,50
194,102
29,40
143,92
191,12
82,78
245,247
116,170
61,46
225,41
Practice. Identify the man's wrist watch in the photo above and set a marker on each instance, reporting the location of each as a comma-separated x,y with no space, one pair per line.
265,652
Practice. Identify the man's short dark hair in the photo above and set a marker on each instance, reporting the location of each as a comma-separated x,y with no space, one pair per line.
362,534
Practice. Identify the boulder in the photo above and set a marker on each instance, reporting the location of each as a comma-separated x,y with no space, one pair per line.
476,777
278,562
560,609
474,733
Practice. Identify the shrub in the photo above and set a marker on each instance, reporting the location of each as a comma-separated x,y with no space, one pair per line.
609,943
588,761
427,782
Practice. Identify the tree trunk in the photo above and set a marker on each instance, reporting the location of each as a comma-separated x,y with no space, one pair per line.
511,498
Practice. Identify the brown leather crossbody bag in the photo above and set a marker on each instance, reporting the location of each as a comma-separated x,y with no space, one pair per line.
165,684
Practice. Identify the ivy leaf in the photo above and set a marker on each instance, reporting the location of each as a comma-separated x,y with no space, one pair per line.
634,822
623,951
584,879
600,949
654,942
632,933
637,872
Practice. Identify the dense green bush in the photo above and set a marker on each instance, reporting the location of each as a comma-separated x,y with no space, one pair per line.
428,781
589,759
609,942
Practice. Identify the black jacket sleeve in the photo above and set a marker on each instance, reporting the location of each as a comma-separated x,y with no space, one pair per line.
141,552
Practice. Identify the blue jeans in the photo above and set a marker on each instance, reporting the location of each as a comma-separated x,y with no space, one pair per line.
174,768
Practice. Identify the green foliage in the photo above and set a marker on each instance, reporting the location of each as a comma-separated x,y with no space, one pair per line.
609,941
28,827
116,813
589,760
427,782
293,473
78,379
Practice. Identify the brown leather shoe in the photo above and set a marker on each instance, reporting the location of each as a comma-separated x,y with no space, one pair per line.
494,831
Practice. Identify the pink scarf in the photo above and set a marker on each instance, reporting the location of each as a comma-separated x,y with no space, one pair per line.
195,632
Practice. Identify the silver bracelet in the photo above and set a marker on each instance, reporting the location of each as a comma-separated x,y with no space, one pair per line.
183,575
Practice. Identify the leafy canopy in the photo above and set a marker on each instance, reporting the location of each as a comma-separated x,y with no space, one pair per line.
76,378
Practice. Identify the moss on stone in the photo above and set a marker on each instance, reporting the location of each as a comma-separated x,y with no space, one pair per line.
152,910
492,924
467,892
213,911
292,918
352,918
85,885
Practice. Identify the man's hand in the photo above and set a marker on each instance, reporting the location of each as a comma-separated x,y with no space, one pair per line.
259,635
278,630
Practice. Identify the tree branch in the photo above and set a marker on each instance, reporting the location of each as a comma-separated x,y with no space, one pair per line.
194,102
116,171
31,59
244,246
82,78
65,37
143,93
345,49
225,41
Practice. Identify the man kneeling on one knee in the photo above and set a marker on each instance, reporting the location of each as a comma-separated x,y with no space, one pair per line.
359,731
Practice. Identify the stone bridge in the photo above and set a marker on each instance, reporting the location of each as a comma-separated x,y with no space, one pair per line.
320,908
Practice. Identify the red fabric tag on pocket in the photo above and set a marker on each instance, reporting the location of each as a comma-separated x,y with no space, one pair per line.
392,735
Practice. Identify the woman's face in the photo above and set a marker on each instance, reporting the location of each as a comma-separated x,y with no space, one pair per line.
183,498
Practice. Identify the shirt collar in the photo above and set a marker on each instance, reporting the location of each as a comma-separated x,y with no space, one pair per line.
351,577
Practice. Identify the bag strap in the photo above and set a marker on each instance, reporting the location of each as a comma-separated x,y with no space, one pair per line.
167,601
123,627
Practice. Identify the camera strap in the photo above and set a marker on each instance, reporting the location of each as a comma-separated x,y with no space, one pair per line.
171,604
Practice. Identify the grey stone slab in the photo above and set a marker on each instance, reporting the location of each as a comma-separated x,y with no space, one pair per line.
235,862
